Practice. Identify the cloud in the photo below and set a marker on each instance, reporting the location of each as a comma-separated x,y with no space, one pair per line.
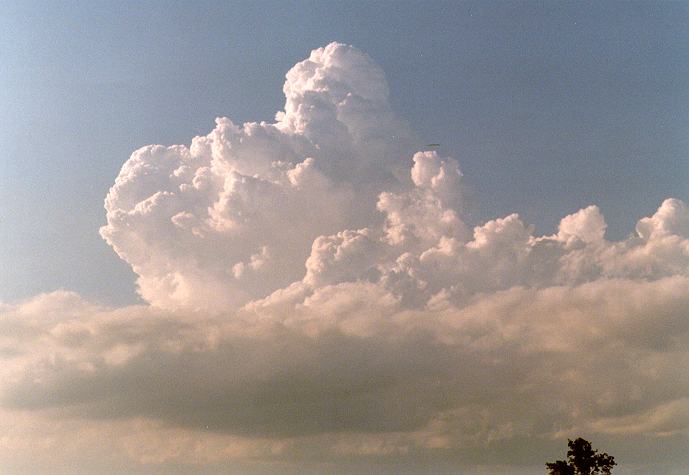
190,220
350,366
313,295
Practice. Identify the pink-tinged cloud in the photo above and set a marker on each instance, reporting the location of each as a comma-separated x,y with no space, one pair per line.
315,294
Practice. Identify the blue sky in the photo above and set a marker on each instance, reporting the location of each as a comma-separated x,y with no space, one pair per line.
548,106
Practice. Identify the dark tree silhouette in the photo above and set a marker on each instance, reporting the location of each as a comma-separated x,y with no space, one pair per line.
582,460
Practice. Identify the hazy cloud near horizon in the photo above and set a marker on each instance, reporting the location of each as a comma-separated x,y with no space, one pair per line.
315,293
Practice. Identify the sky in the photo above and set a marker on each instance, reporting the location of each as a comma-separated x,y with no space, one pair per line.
226,245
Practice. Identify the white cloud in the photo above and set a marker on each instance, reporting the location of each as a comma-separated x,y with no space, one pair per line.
314,295
188,219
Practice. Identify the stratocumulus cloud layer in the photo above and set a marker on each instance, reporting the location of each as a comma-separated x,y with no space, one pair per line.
316,296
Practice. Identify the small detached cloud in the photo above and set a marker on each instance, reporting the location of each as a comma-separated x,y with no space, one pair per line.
314,296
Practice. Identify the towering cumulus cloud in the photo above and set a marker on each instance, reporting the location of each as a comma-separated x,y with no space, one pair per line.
232,217
314,294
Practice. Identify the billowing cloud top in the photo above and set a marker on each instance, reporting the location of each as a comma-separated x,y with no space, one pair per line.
312,290
232,217
246,211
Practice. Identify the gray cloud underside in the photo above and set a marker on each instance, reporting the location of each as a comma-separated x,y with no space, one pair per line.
605,356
